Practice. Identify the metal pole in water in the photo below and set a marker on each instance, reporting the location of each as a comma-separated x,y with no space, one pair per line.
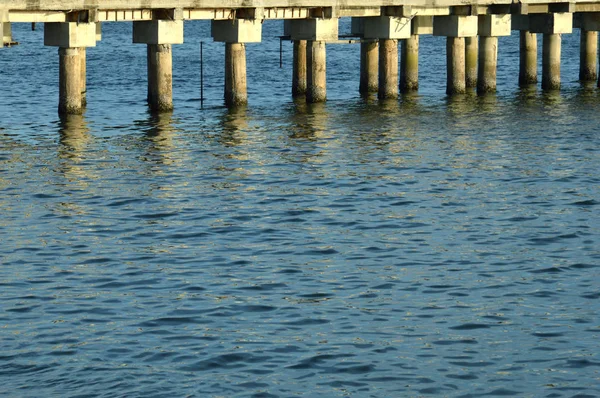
201,75
280,52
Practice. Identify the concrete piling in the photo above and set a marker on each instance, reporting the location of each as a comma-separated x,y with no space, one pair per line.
369,66
551,61
388,69
235,75
455,64
69,97
299,73
160,77
527,58
588,56
83,70
409,64
488,60
317,71
471,62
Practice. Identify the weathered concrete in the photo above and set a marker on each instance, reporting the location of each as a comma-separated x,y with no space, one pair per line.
318,29
471,56
588,51
157,32
388,69
317,71
160,77
83,70
369,66
488,61
237,31
235,75
6,33
554,23
70,34
409,64
551,62
69,81
385,27
455,64
455,26
299,73
527,58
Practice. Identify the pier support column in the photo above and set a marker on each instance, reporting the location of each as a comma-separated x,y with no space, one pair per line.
369,66
316,71
455,66
409,64
551,61
551,26
456,28
235,75
315,32
299,83
159,35
388,69
490,27
527,58
388,30
69,81
588,53
72,39
471,60
5,33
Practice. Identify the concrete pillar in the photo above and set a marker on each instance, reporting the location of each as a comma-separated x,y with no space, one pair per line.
551,61
527,58
455,64
409,64
369,66
316,68
83,67
299,69
388,69
235,75
588,56
488,61
69,81
471,54
160,77
5,33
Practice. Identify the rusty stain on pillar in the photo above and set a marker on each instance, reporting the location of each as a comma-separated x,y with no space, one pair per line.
299,82
69,81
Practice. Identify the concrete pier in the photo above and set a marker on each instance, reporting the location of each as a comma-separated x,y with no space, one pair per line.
551,61
160,77
5,33
299,73
455,66
388,69
409,64
471,61
317,71
369,67
488,61
588,51
235,75
69,81
527,58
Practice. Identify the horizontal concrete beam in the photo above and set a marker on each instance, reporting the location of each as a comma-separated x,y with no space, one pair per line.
551,23
387,28
70,34
422,25
587,21
312,29
494,25
237,31
455,25
158,32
